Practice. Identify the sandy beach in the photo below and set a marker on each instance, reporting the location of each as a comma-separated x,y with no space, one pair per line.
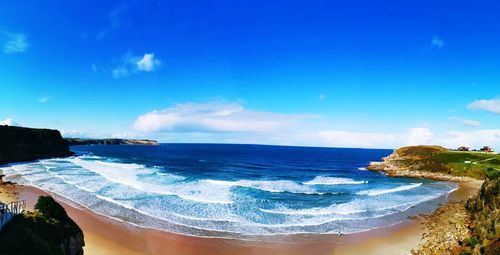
107,236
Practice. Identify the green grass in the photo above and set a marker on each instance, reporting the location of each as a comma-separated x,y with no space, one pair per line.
472,164
438,159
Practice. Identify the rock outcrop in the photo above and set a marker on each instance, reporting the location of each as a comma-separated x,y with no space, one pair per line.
111,141
484,208
48,230
26,144
445,228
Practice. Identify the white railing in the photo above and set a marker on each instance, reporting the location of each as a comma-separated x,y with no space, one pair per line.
8,211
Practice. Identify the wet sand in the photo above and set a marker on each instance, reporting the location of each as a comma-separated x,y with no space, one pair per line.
107,236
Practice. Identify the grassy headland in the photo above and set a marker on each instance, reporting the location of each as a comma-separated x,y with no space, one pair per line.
470,227
441,162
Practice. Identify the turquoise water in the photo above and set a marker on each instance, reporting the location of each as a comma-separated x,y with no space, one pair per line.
234,191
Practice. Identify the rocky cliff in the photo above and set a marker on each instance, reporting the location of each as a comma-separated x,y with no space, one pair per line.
48,230
111,141
26,144
484,208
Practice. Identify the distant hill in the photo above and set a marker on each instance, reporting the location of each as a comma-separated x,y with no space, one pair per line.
111,141
26,144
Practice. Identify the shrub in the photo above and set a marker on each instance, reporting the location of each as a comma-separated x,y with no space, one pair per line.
473,241
49,208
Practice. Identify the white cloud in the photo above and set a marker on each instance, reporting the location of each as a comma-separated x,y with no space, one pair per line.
216,116
9,122
437,42
14,42
230,122
468,122
73,133
322,97
134,64
148,63
356,139
489,105
473,139
119,72
414,136
43,100
221,121
418,136
471,123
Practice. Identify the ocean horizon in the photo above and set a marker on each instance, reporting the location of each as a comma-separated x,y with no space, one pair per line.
237,191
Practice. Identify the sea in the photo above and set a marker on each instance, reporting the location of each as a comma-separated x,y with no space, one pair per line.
234,191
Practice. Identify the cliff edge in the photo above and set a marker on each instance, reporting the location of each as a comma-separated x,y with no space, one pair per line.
26,144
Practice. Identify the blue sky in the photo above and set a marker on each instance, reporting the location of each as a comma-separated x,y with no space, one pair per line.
322,73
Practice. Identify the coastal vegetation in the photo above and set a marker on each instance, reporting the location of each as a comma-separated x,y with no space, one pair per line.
436,159
484,208
476,233
47,230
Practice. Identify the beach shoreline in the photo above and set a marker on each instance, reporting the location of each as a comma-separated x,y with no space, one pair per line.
104,235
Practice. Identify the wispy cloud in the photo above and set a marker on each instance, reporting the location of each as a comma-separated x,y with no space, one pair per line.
115,21
467,122
414,136
43,100
14,42
119,72
215,116
322,97
473,139
231,122
437,42
134,64
9,122
488,105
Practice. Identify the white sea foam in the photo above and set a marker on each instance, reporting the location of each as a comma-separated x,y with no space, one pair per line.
267,185
326,180
312,211
134,192
130,175
376,192
359,208
362,168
